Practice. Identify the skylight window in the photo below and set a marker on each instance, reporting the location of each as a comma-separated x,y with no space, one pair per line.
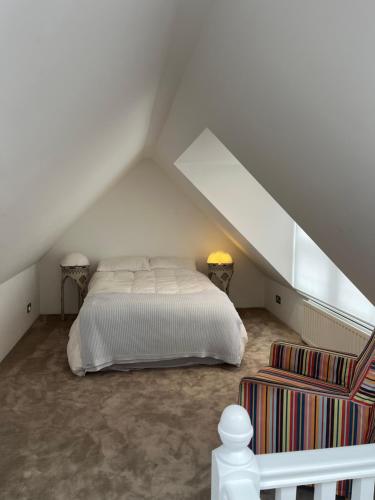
317,276
254,214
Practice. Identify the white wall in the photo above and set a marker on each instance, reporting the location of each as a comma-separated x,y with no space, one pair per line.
80,98
288,87
290,311
15,294
146,213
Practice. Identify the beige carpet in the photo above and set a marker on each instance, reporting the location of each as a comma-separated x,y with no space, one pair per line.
138,435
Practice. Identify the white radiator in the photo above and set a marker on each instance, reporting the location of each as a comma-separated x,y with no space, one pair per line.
323,328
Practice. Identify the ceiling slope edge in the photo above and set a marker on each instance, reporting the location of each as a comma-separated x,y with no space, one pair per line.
220,220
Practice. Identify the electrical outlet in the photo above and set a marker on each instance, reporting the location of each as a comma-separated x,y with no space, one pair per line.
28,308
278,299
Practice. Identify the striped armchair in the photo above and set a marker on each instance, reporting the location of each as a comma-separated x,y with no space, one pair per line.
310,398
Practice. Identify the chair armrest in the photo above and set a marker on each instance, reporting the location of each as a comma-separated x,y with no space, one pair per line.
321,364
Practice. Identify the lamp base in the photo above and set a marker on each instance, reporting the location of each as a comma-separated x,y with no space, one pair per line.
221,275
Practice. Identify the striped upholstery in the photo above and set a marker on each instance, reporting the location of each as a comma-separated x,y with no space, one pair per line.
310,399
364,359
363,382
328,366
371,432
296,381
290,420
364,392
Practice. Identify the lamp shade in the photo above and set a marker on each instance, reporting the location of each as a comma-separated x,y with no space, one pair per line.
75,259
219,257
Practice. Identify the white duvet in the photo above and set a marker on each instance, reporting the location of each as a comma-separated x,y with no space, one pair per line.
161,317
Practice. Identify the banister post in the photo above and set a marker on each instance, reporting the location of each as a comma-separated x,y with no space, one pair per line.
235,473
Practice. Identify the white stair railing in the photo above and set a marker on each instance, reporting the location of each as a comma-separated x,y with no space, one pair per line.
238,474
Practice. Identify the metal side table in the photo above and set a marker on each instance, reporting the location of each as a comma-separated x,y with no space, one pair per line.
80,275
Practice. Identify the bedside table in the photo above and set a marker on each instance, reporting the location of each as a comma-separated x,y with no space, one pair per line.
220,275
80,275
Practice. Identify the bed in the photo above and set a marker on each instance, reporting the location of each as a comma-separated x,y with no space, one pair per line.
160,312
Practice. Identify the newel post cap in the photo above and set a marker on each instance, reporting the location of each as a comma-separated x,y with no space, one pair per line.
235,427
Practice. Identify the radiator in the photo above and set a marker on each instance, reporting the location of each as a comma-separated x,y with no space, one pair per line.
323,328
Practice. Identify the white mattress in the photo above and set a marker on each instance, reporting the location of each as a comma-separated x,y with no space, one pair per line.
148,318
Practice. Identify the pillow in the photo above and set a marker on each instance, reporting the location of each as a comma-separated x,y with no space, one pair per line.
124,263
172,263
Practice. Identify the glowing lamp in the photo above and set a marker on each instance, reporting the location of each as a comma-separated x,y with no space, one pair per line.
219,258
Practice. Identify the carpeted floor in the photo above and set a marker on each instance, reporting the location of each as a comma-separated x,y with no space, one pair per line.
138,435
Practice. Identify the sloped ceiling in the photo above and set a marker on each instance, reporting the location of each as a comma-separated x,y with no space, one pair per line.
79,101
288,87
